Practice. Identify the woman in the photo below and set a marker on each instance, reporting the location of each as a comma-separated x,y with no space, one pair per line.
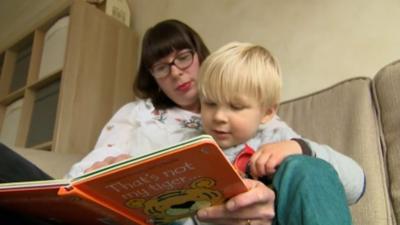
168,112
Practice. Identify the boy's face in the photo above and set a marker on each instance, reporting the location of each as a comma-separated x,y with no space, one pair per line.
233,123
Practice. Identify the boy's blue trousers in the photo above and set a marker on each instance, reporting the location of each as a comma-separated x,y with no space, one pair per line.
309,192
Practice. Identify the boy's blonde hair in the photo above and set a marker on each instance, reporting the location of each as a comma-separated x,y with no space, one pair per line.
238,69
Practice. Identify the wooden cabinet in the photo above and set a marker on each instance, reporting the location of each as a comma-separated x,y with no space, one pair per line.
59,101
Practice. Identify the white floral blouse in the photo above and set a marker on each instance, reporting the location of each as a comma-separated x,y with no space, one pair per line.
138,129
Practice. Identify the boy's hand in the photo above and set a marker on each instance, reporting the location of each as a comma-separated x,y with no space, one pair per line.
265,161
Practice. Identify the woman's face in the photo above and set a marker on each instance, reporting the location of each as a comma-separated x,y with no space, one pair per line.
180,83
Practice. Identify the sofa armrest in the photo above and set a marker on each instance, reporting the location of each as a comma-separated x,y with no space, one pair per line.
387,95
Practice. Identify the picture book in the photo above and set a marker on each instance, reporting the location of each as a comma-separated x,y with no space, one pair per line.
157,188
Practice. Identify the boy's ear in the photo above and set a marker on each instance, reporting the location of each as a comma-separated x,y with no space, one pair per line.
269,113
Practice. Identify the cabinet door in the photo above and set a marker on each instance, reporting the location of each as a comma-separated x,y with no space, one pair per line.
20,74
11,118
43,115
97,77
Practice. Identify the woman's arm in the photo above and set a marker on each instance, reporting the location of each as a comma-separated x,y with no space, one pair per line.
113,142
135,130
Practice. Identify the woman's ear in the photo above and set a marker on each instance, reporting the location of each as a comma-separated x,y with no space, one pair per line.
269,113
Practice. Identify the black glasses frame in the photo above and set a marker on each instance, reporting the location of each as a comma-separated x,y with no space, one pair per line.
155,75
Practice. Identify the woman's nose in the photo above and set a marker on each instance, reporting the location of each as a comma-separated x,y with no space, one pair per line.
175,71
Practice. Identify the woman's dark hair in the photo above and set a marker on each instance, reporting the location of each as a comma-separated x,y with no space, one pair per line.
158,42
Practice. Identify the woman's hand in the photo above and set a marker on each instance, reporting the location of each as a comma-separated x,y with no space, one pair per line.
253,207
107,161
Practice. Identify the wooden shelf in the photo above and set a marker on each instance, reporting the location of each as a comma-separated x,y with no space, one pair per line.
12,96
64,109
44,146
45,81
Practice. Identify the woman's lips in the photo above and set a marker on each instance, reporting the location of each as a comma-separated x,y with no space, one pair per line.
185,86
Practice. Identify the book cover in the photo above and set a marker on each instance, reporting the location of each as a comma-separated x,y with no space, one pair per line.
158,188
41,200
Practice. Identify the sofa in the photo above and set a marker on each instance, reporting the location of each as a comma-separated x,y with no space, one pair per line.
359,117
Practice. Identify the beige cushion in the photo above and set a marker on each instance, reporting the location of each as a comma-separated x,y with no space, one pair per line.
54,164
343,117
387,84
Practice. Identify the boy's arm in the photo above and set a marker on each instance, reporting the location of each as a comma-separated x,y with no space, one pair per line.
349,171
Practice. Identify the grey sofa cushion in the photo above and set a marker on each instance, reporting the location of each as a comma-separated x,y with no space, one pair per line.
386,87
343,116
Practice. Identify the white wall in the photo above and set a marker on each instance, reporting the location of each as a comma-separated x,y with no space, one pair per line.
19,17
318,42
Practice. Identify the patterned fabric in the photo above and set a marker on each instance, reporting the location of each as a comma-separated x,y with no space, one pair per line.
138,129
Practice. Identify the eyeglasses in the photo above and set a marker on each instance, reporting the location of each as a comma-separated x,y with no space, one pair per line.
182,60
